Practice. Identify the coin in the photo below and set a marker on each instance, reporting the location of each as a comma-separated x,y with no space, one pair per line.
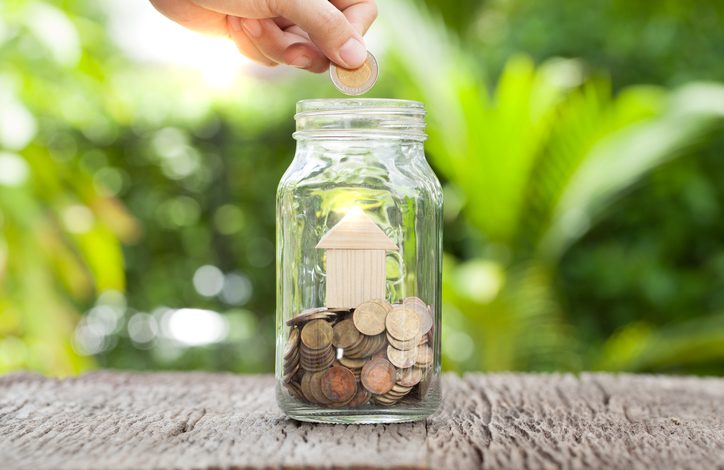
338,384
355,81
423,313
401,359
295,391
361,397
317,334
369,318
345,334
385,304
424,356
351,363
315,386
305,387
402,323
409,377
288,376
403,345
424,386
292,343
381,400
378,376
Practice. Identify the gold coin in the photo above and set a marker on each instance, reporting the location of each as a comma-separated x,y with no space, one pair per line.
355,81
317,334
402,323
345,334
338,384
401,359
369,318
378,376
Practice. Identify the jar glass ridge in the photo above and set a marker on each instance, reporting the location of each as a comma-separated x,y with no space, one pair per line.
360,181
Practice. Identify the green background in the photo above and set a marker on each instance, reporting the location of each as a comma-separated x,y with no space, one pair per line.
580,145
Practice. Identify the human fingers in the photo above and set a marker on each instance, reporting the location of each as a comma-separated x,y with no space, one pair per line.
326,25
276,43
245,45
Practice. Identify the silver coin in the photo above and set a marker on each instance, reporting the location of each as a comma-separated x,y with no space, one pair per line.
356,81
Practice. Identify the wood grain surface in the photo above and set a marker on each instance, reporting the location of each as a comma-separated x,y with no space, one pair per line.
111,420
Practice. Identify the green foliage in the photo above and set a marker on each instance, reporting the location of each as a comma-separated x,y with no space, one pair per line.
535,164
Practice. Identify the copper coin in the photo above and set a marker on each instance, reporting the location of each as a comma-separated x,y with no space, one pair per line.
403,345
382,400
311,314
409,377
294,391
424,386
317,334
423,312
345,334
378,376
369,318
385,304
402,323
292,342
397,388
338,384
424,356
315,386
289,373
305,387
401,359
351,363
360,398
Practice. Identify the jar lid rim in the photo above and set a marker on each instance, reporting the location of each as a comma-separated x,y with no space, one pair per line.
349,104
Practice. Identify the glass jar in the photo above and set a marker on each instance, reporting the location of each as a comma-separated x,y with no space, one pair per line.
359,240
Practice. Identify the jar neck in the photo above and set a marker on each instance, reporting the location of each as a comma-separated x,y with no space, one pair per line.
344,120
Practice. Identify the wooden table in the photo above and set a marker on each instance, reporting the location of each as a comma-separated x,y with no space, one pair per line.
112,420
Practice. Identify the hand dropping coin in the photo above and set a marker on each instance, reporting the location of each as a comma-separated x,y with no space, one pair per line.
355,81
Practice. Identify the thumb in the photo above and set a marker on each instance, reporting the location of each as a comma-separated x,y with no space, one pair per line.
328,29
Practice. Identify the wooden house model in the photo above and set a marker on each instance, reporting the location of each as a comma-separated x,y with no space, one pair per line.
356,248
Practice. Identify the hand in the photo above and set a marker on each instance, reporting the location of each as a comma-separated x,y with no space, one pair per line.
304,33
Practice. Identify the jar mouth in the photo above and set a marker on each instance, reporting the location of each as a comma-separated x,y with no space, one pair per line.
351,118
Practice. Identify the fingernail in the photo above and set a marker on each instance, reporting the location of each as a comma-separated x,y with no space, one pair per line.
353,53
252,27
301,62
234,23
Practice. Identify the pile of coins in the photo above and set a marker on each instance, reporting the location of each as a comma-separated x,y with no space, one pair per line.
378,352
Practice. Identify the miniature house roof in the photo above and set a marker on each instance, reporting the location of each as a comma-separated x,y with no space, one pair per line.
356,231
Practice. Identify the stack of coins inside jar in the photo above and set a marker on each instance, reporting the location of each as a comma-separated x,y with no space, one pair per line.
377,353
